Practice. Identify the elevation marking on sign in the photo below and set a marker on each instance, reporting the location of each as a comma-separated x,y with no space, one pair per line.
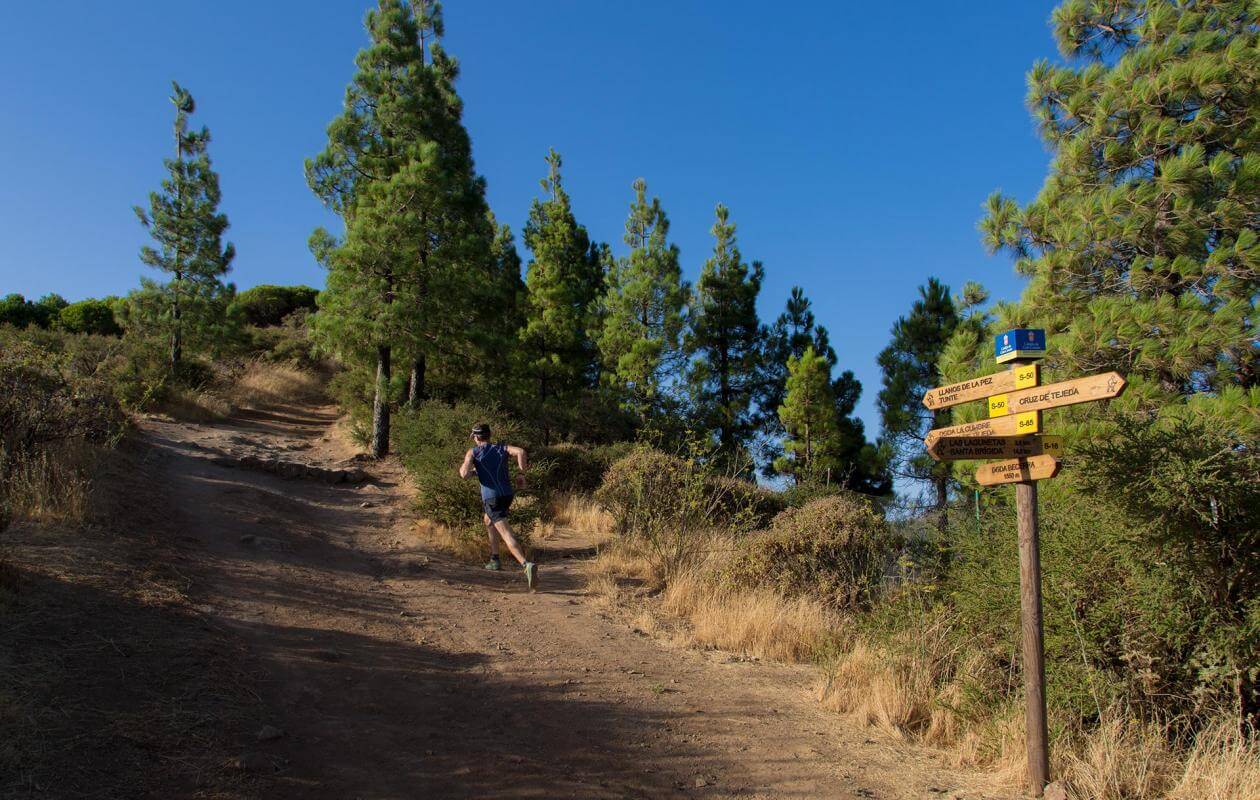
1017,470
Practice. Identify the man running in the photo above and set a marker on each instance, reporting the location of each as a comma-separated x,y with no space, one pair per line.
490,462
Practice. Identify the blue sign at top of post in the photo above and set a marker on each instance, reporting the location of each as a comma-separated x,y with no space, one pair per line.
1022,343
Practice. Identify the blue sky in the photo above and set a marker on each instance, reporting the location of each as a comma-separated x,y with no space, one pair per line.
853,142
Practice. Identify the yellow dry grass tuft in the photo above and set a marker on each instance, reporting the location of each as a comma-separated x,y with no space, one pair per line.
264,383
1222,765
195,405
759,623
574,514
451,541
54,485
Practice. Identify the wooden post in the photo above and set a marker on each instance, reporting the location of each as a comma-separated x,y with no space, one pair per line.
1034,653
1036,734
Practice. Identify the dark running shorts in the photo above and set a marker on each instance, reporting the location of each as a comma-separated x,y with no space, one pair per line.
497,507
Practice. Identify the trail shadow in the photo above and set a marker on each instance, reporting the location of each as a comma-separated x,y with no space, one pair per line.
385,719
117,697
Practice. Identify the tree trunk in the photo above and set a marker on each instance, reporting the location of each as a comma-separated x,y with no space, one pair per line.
177,339
380,404
415,386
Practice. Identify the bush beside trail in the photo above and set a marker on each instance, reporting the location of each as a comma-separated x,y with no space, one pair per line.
56,412
835,548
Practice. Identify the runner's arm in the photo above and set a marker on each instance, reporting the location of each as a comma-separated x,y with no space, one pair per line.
522,463
466,468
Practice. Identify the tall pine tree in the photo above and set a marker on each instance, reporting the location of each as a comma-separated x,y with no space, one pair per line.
1144,258
184,219
724,340
911,365
643,310
564,283
398,169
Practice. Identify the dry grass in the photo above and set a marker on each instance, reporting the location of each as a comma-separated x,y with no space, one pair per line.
263,384
919,685
574,515
582,514
761,624
757,623
53,486
451,541
195,405
911,688
1222,765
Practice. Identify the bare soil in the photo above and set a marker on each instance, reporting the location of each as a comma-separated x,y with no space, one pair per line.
233,633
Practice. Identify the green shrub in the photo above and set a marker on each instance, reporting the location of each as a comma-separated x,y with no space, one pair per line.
837,548
52,406
94,317
268,305
743,504
431,440
669,504
19,312
573,468
289,343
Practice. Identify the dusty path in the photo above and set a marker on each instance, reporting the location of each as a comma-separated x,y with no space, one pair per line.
390,671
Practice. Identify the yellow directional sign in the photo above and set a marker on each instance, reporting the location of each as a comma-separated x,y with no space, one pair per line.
1017,470
1064,393
1001,426
1018,377
956,448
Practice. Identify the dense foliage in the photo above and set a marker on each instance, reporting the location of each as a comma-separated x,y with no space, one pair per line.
266,305
836,548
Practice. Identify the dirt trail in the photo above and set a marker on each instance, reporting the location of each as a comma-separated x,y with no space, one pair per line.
390,671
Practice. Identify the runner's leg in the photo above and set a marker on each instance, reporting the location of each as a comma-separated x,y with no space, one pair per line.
494,537
509,539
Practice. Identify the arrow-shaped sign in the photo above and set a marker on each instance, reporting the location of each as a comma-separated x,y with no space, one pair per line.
1036,468
999,426
1064,393
1017,377
957,448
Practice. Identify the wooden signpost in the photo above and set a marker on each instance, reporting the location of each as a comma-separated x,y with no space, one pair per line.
959,448
1015,470
1013,425
979,388
1081,390
1016,400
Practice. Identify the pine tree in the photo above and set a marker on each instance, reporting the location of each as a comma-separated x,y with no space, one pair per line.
1142,244
793,332
564,283
398,169
809,419
184,219
643,310
724,340
911,365
1144,258
501,308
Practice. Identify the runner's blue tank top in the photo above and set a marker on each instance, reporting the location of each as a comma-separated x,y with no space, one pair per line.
490,461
